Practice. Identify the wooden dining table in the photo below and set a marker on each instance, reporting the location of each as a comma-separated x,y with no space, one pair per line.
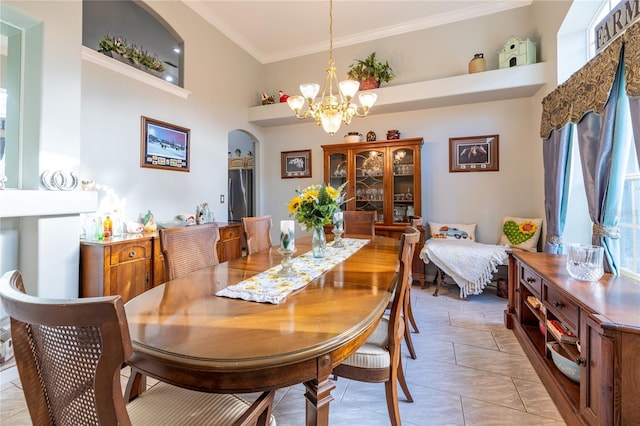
184,334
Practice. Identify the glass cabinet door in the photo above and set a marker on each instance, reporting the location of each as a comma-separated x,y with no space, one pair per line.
369,182
337,169
403,185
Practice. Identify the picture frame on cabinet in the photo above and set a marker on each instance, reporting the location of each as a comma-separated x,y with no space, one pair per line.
164,145
474,154
295,164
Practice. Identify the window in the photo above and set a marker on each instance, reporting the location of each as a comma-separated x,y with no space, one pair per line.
630,215
630,219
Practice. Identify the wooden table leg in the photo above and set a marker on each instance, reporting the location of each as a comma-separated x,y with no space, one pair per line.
318,394
135,386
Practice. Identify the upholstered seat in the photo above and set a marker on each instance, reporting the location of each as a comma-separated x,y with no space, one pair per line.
378,360
257,233
69,354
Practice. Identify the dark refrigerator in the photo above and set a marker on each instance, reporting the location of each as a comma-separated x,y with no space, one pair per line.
240,198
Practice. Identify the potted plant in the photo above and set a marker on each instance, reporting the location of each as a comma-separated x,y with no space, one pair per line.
118,48
370,72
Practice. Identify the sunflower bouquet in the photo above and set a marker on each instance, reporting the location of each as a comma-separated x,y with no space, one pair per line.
315,205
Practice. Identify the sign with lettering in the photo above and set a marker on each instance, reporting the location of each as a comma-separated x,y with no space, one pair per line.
614,24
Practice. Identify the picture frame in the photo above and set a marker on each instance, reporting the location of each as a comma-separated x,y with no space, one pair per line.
474,154
295,164
164,145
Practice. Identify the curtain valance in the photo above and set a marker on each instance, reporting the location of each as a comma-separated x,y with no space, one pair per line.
588,88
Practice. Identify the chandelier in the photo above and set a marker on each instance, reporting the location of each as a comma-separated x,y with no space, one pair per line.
334,106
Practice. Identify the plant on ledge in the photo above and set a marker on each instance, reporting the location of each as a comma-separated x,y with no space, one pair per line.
110,45
370,72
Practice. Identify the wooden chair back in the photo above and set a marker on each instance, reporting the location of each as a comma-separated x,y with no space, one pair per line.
408,242
257,233
358,222
189,248
69,355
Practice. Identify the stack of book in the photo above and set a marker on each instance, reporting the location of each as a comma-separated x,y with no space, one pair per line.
561,332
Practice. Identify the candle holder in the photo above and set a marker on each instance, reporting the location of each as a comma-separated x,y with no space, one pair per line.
287,264
337,241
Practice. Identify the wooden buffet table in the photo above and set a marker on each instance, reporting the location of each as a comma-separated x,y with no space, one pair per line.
185,335
604,315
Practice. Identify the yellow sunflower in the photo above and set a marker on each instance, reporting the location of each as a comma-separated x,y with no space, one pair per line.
527,227
294,205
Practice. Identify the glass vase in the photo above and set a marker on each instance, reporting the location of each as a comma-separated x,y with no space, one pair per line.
318,242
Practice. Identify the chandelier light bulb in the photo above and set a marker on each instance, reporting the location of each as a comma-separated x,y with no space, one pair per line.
295,103
309,90
349,88
367,99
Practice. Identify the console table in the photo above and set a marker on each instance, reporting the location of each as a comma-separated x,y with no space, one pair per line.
604,315
133,263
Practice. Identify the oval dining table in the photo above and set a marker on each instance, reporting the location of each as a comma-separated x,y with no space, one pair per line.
185,335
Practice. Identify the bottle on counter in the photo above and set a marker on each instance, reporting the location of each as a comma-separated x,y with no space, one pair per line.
99,229
107,226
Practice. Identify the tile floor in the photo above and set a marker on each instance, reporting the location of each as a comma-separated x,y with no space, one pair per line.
470,371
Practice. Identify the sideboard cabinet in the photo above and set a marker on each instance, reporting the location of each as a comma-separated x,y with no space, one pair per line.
133,263
385,177
604,318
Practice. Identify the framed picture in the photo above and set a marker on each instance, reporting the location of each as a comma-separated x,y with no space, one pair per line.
295,164
164,145
473,154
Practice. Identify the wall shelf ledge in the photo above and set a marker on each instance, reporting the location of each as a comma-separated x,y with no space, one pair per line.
98,58
495,85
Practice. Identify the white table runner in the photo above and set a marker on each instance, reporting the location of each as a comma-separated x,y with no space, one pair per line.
269,287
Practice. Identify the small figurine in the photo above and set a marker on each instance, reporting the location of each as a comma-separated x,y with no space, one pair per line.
283,97
266,99
149,222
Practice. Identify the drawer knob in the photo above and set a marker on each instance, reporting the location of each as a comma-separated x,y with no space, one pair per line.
132,253
581,361
531,280
558,304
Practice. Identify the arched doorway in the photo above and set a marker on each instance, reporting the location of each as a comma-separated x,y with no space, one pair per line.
241,195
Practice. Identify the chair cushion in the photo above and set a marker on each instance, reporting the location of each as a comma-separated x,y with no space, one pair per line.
374,353
369,356
164,404
380,336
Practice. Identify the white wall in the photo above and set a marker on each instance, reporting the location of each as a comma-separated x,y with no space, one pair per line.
483,198
222,80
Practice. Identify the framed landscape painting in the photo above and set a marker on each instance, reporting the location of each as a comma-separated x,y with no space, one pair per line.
295,164
474,154
164,146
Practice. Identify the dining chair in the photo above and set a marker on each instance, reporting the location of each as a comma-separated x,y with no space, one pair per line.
186,249
408,311
378,360
69,353
357,222
257,233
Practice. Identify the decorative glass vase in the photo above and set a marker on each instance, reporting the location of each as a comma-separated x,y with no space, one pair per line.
318,242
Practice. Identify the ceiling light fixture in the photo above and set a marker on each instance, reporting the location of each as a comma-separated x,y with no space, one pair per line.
334,106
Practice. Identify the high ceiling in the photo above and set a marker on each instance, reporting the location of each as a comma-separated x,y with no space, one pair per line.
276,30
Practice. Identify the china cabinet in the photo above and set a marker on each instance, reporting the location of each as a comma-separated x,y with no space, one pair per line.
381,176
133,263
598,335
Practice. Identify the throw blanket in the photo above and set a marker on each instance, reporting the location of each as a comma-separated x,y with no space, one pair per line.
470,264
270,287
